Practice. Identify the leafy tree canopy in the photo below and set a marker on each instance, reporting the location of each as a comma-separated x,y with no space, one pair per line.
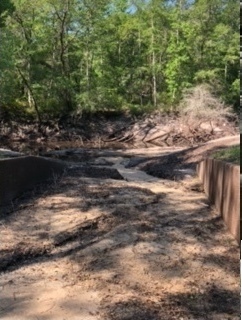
65,56
6,7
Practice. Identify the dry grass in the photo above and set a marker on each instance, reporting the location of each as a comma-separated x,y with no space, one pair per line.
200,105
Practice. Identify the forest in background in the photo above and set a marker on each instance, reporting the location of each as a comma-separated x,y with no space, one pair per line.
66,57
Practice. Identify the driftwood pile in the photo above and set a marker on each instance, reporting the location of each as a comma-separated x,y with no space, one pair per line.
168,131
155,129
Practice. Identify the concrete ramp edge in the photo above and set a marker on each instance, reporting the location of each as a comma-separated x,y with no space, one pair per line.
17,175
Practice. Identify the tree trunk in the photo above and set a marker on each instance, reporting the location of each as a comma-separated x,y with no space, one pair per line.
31,97
65,68
154,82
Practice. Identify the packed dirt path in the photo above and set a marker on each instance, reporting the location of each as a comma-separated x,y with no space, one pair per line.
141,248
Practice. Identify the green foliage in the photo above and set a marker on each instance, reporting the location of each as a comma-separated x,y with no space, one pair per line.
6,8
231,154
58,56
8,81
16,110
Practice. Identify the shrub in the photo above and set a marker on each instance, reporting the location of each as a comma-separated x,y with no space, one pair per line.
200,105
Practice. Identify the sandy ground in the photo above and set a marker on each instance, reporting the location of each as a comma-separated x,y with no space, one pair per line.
141,248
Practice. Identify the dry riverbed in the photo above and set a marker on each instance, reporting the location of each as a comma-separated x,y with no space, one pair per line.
141,248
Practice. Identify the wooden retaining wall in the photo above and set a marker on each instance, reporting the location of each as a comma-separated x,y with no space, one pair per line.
18,175
221,182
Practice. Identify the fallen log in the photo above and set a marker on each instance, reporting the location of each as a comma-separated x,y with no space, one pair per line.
158,135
